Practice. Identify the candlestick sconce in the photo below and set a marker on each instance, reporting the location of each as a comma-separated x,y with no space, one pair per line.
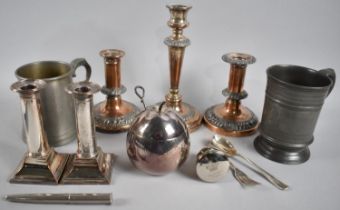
90,165
231,118
114,114
41,164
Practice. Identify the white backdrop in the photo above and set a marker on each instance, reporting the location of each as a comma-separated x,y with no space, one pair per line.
303,32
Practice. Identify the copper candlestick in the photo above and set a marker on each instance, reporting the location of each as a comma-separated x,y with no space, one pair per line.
90,165
177,43
114,114
41,163
231,118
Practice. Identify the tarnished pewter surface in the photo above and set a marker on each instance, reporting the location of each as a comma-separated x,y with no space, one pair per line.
293,101
57,106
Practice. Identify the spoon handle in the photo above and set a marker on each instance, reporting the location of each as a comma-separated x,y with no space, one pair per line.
273,180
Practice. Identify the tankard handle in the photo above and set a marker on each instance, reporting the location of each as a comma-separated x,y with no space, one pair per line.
330,73
81,62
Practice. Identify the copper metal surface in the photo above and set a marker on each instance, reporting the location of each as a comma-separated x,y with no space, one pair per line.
90,165
231,118
114,114
177,43
112,67
41,164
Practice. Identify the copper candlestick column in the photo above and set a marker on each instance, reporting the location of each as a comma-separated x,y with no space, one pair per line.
114,114
231,118
90,165
41,163
177,43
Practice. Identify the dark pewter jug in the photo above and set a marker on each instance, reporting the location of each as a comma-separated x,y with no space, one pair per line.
294,97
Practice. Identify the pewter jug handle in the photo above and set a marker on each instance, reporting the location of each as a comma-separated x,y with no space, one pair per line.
81,62
330,73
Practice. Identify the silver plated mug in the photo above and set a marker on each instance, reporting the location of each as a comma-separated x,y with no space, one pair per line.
57,105
293,101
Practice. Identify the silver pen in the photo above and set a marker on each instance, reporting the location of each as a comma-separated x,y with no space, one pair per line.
62,198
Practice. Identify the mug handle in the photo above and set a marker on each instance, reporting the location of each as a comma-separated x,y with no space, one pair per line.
81,62
330,73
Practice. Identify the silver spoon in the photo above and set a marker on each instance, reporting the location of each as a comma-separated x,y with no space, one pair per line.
230,150
240,176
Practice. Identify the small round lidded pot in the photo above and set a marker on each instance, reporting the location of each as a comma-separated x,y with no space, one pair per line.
158,140
212,165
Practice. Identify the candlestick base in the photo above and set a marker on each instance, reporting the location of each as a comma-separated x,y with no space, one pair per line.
39,169
226,123
189,114
96,170
115,119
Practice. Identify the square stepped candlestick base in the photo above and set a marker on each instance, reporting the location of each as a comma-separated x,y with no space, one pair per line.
96,170
40,170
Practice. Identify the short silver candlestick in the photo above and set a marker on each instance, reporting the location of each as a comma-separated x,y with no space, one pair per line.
41,164
90,165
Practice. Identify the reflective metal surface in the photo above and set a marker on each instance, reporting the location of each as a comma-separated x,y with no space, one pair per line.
90,165
242,178
41,164
294,98
231,151
177,43
158,141
231,118
62,198
114,114
212,165
57,106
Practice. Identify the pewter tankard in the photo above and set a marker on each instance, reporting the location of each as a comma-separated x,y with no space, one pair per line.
294,98
57,105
